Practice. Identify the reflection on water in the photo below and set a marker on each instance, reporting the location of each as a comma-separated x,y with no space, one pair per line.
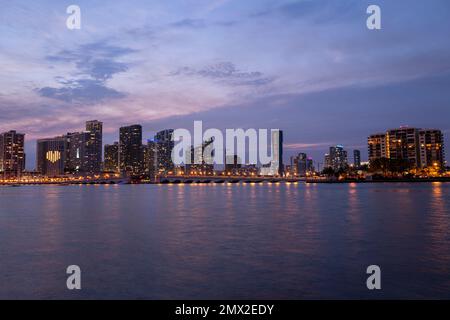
227,241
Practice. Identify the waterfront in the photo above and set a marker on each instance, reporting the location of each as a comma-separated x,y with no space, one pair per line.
226,241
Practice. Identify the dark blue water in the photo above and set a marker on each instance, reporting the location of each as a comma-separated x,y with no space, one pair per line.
265,241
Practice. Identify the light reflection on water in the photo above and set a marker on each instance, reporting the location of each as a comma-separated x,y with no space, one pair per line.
226,241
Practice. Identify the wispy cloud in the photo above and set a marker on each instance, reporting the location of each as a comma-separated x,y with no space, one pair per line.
316,11
189,23
226,72
301,145
86,91
95,64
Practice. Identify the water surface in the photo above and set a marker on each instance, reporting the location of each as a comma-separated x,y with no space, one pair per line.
230,241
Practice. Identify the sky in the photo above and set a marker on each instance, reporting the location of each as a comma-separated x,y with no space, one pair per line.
309,67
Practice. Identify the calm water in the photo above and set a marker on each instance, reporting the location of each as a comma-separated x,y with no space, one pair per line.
277,241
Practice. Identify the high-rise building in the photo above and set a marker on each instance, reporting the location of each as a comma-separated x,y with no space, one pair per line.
12,154
130,150
327,161
337,158
277,147
300,165
310,165
403,144
275,167
165,145
150,159
357,158
94,146
76,158
377,146
51,156
421,148
111,163
432,148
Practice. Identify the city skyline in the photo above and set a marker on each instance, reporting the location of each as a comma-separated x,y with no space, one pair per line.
82,152
228,63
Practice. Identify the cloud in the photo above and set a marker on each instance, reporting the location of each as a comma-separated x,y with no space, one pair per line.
189,23
84,91
317,11
101,69
300,145
99,49
226,72
201,23
95,64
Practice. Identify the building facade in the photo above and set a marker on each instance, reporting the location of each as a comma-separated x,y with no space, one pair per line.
165,145
94,146
337,158
277,149
131,157
377,146
276,166
301,165
150,159
111,163
421,148
327,161
76,158
357,158
51,156
403,144
432,152
12,154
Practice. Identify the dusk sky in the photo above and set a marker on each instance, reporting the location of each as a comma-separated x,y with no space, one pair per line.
308,67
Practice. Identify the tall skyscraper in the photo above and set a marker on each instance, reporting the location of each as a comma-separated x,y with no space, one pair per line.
12,154
131,150
357,158
327,161
94,146
150,159
51,156
76,148
165,145
277,147
432,148
300,164
275,167
111,163
337,158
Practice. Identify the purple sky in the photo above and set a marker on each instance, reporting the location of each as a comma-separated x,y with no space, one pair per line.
309,67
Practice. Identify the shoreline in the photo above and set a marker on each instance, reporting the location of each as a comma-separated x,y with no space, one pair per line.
421,180
250,182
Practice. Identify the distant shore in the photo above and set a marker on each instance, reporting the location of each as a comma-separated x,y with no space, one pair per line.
384,180
240,181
